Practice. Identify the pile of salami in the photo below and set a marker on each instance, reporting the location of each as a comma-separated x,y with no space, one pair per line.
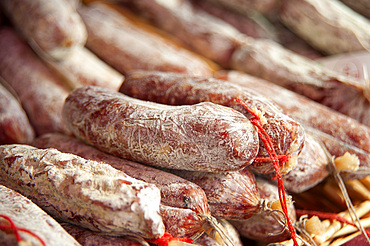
179,122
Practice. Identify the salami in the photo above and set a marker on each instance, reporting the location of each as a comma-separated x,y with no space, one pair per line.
339,132
175,191
201,137
41,92
86,193
201,32
231,195
82,67
28,216
222,43
174,89
88,238
125,45
53,26
14,124
255,25
342,30
270,61
182,223
251,24
263,226
311,169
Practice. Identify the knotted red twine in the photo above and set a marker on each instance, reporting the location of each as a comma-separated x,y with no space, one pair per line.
265,138
13,228
166,238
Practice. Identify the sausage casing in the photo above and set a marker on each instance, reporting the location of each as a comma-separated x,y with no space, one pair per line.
201,137
87,193
287,135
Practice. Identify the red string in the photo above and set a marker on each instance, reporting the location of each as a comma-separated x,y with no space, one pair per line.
282,158
325,215
167,237
16,230
265,138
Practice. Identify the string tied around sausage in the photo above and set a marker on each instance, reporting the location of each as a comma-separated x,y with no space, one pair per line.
266,140
14,229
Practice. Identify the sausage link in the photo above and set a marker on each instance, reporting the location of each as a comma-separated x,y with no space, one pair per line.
25,214
262,226
222,43
127,46
339,132
53,25
202,137
82,67
231,195
86,237
180,222
270,61
311,169
253,25
83,192
41,92
198,30
175,89
328,25
175,191
14,124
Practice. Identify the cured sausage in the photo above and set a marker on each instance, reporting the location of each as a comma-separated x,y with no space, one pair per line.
339,132
262,226
201,32
41,92
270,61
127,46
311,169
255,25
53,26
83,192
342,30
82,67
222,43
201,137
14,124
86,237
175,191
184,207
175,89
28,216
251,24
231,195
182,223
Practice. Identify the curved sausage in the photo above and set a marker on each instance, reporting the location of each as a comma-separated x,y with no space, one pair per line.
202,137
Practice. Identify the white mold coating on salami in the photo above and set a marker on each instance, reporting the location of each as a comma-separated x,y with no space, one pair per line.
201,137
87,193
25,214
